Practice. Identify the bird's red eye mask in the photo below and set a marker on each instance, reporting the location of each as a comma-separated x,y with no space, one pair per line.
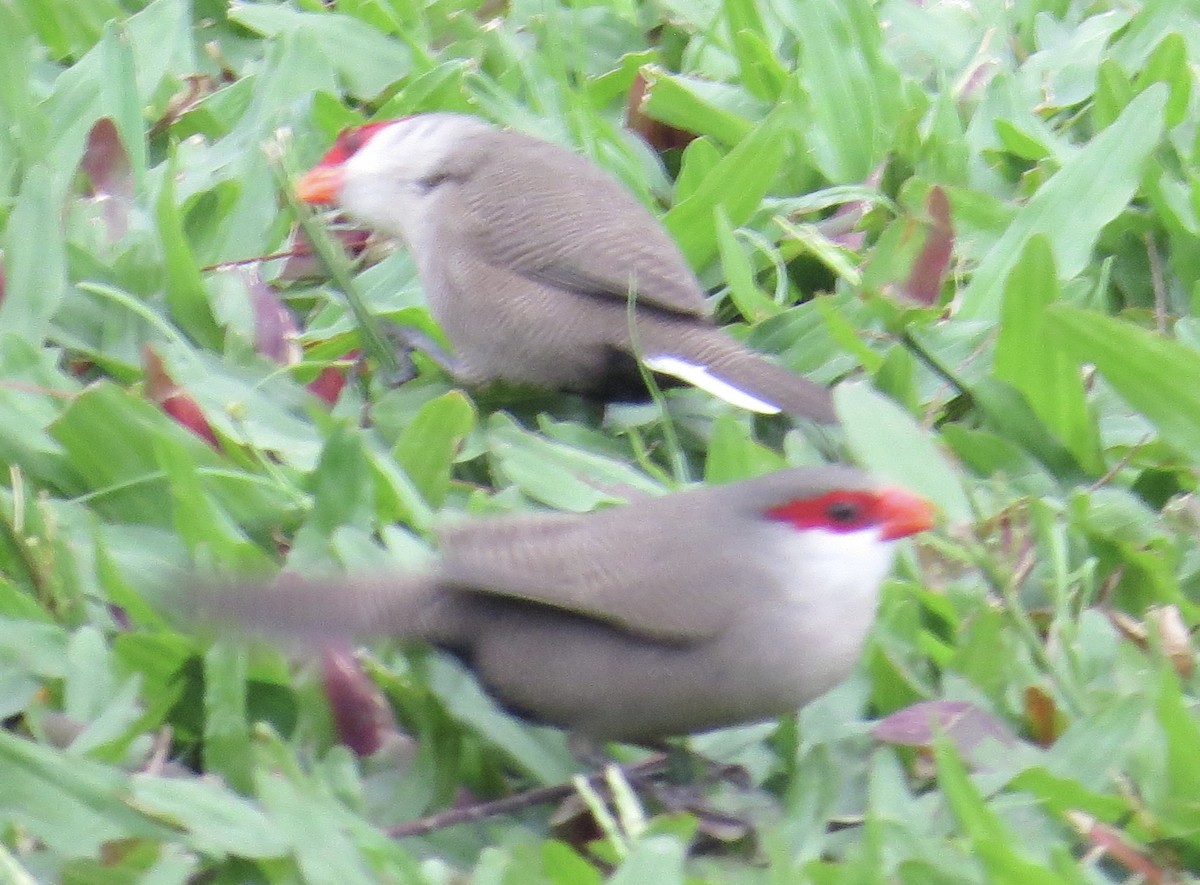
350,141
322,184
897,512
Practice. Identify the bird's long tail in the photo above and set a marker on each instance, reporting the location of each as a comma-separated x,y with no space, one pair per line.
338,608
708,358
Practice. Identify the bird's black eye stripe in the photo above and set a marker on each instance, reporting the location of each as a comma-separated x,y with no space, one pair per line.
843,511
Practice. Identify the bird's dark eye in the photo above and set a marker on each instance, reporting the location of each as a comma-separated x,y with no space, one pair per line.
430,182
843,512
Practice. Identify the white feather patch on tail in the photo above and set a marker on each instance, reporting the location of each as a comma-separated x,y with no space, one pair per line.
700,376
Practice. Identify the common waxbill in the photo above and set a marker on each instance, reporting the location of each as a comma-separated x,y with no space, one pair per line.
528,254
664,616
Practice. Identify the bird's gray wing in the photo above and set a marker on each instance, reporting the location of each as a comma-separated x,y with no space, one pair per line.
647,578
578,228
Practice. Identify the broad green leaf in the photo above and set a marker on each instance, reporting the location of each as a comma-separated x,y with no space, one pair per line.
989,454
1028,358
564,866
1009,415
30,653
163,46
733,453
700,106
341,485
1181,732
1074,205
751,302
1158,377
542,752
109,733
201,523
1168,64
71,804
187,296
1114,90
367,60
17,103
110,437
90,682
397,498
852,89
121,98
295,68
657,859
1067,58
227,749
889,443
27,409
218,820
428,445
34,260
560,476
1023,144
700,158
980,823
312,828
737,183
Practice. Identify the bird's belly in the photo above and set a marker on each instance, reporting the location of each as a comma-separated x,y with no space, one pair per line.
578,674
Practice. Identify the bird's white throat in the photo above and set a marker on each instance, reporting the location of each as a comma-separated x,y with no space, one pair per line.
835,576
831,582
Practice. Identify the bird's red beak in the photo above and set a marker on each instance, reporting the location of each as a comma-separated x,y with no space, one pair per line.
903,513
321,185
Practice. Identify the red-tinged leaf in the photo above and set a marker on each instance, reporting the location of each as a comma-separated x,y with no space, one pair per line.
162,390
328,385
660,136
1042,714
841,227
159,385
187,412
1174,637
275,328
1113,843
106,164
360,712
924,283
964,724
978,79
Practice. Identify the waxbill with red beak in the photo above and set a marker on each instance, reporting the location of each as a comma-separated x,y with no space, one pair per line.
665,616
528,254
